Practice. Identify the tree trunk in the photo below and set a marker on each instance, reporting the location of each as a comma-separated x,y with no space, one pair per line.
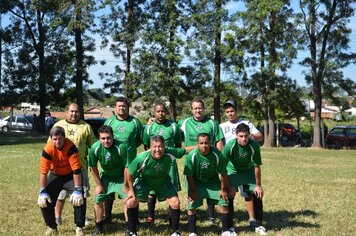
127,90
79,55
43,100
217,62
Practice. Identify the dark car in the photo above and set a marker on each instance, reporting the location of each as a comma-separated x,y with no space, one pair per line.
95,123
341,136
289,135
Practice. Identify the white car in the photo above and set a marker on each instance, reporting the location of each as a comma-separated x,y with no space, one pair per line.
18,123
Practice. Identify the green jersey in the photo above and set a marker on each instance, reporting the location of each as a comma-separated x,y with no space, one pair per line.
191,128
169,130
204,169
128,131
112,160
241,158
154,173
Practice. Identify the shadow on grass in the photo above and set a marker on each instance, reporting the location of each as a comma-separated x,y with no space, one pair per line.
13,138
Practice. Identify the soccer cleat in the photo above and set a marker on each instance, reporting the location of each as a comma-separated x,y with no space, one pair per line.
193,234
232,231
177,233
97,232
51,231
107,220
212,222
58,220
87,221
261,230
79,232
150,220
226,233
128,233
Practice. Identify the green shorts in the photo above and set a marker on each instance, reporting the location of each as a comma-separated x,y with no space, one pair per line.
210,191
174,175
111,185
245,178
166,190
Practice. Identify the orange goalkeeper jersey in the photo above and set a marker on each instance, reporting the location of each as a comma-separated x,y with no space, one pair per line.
61,161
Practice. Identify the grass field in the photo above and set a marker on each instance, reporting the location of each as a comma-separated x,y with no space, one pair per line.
307,192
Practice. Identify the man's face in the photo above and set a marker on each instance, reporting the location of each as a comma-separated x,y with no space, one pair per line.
58,141
231,114
242,138
204,145
72,115
198,111
157,149
160,114
106,139
121,109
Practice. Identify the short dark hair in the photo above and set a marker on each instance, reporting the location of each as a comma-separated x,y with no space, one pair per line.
157,138
105,129
199,100
122,99
160,103
203,135
242,128
57,130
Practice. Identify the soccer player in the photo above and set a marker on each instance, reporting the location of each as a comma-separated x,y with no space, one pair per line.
60,158
199,123
112,156
202,168
172,136
82,135
244,161
127,129
150,171
229,129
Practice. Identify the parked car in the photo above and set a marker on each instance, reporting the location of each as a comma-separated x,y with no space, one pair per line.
289,135
341,136
95,123
15,123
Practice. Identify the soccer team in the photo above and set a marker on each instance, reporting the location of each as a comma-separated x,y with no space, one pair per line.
220,160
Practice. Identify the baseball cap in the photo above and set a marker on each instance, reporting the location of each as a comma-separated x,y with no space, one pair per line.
230,103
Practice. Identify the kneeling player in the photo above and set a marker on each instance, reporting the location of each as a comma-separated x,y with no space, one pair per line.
244,160
150,171
112,156
202,168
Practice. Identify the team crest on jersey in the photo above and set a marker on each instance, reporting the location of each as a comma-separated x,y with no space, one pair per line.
138,187
71,132
161,132
107,157
121,129
242,154
158,167
198,127
204,165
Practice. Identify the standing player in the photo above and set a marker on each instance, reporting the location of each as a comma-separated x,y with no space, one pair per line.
82,135
150,171
244,161
172,136
229,129
112,156
61,160
127,129
197,124
202,168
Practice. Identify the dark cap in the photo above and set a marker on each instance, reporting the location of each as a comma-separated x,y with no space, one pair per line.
230,103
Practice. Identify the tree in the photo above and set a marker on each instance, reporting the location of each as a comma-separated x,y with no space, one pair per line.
327,39
270,43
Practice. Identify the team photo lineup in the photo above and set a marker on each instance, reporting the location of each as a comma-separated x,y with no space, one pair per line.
221,164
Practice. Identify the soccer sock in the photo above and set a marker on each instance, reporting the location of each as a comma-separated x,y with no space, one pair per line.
132,215
258,209
211,211
108,208
225,221
192,223
231,212
99,225
151,204
175,216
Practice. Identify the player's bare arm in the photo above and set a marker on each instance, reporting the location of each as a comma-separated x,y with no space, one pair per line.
224,192
99,187
258,189
192,193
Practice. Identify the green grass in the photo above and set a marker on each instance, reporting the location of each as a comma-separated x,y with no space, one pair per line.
307,192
